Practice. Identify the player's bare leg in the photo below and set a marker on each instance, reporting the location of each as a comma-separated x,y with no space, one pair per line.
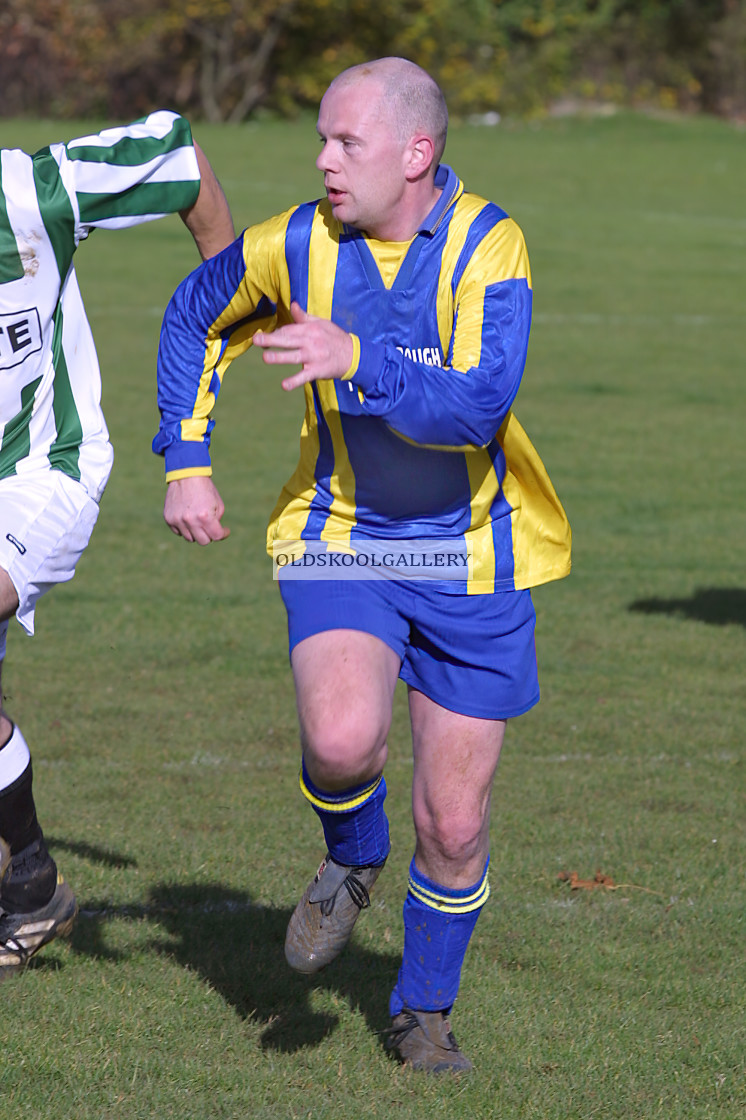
8,607
344,686
344,682
455,758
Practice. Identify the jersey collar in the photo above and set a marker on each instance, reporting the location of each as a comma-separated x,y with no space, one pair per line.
451,188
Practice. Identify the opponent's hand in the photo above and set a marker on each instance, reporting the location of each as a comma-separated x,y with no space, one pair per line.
322,348
193,510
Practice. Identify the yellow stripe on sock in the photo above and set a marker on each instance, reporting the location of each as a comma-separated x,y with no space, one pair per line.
447,904
339,806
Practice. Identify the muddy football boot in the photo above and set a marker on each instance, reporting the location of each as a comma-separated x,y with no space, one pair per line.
323,920
424,1041
22,933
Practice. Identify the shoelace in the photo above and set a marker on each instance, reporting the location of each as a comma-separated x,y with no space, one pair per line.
13,946
395,1035
356,890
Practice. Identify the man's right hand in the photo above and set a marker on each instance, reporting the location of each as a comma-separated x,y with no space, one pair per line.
194,509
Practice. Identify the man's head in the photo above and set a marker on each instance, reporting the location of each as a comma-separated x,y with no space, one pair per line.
383,127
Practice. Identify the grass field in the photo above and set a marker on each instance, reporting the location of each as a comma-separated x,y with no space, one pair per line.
157,699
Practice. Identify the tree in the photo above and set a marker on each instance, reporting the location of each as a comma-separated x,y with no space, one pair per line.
218,51
225,59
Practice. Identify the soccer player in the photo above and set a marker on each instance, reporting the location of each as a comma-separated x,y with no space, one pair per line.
406,302
55,454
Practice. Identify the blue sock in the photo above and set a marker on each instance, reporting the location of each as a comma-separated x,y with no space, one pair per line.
438,924
355,826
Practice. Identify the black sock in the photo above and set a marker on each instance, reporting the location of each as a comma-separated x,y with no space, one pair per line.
31,878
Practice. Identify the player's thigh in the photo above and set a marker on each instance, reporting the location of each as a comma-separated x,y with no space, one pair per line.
346,643
344,684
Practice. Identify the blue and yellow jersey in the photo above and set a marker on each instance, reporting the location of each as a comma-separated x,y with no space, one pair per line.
419,439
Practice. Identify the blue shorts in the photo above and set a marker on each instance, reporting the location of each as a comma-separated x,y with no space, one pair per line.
472,654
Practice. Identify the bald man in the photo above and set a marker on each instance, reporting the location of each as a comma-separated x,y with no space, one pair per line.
417,519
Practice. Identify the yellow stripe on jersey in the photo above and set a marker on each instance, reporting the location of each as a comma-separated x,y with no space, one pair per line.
195,426
467,346
294,503
467,349
538,518
479,539
323,254
263,281
505,250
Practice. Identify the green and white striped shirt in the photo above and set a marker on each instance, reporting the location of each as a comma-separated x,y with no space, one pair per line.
50,383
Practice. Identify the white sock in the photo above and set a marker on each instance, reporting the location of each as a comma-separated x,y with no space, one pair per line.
14,758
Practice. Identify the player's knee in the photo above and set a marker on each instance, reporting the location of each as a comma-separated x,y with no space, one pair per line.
340,752
8,597
452,835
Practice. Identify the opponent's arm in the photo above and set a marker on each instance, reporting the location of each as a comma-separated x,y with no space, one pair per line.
139,172
209,219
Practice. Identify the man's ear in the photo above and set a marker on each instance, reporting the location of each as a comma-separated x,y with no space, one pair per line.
421,156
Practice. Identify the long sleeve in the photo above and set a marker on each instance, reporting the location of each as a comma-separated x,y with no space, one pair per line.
465,401
124,176
210,321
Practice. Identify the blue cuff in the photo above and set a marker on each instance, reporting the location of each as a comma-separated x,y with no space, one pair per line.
186,455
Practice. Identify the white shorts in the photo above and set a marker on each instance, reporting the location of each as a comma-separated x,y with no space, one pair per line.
46,521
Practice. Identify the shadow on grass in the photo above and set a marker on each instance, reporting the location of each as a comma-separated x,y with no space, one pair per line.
237,947
87,851
717,606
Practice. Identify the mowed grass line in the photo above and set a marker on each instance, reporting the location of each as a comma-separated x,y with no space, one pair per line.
158,702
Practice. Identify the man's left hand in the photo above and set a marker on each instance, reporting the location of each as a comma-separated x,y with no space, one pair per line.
322,348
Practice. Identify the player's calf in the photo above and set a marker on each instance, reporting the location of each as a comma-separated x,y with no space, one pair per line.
36,905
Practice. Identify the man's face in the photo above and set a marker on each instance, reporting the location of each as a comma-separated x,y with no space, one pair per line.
362,159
